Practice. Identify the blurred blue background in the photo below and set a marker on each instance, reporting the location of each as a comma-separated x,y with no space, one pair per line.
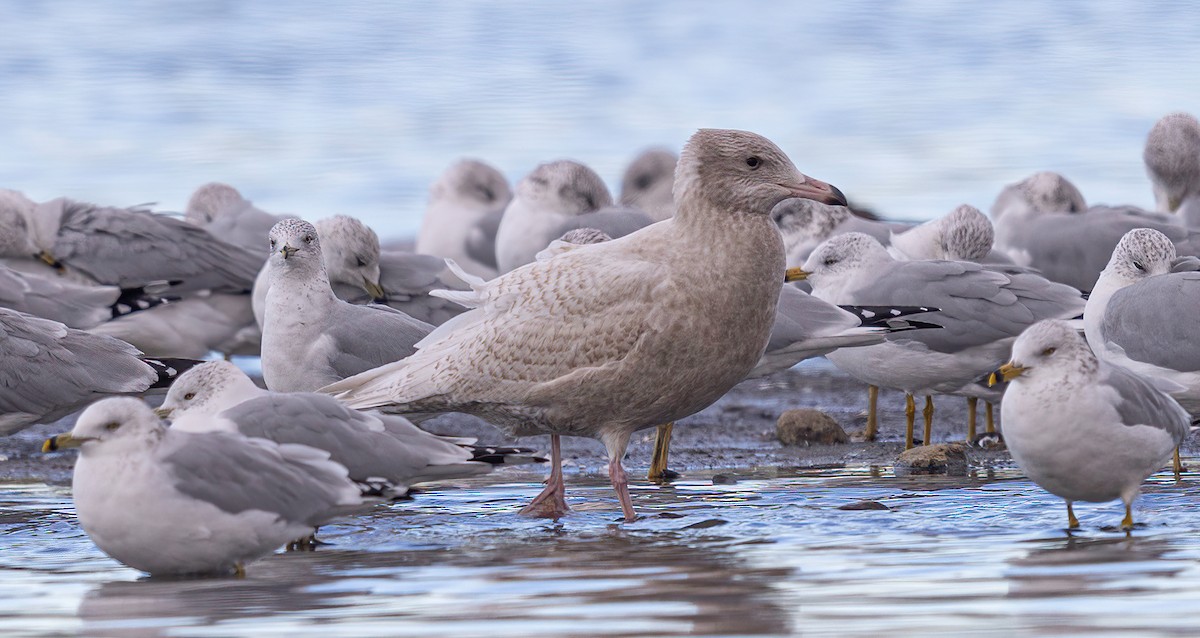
355,107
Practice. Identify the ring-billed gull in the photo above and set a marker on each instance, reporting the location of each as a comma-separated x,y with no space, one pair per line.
75,305
545,199
646,184
463,214
122,247
1082,429
606,339
310,337
359,272
1070,245
218,397
169,502
981,312
963,234
1172,157
48,370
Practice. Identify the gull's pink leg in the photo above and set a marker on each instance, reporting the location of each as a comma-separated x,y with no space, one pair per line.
620,483
552,502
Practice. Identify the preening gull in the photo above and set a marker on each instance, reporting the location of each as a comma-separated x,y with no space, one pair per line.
218,397
1082,429
48,370
122,247
606,339
646,184
310,337
545,199
221,210
981,312
171,503
463,215
1172,157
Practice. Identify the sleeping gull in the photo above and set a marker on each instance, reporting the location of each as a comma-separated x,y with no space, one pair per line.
545,199
310,337
963,234
463,214
168,502
122,247
646,184
1070,245
606,339
48,370
805,224
981,312
217,396
1083,429
221,210
1172,157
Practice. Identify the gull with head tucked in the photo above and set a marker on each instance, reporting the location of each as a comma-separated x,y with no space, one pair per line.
609,338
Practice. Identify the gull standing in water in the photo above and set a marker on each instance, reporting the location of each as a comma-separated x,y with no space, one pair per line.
607,339
1080,428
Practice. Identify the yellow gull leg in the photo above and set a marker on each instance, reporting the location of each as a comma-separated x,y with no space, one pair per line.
928,413
910,417
972,404
872,413
662,449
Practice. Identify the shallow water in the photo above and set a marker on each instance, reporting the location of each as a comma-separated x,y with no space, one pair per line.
768,554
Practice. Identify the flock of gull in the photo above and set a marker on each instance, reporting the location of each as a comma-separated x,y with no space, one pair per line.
555,310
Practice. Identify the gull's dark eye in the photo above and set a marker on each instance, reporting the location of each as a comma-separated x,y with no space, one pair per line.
753,162
111,426
308,239
189,396
361,262
1049,351
1139,266
272,243
829,261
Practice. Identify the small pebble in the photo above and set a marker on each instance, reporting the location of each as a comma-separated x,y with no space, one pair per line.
723,479
808,427
865,505
712,522
944,458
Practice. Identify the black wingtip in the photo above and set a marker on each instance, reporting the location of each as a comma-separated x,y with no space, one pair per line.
879,316
504,455
169,368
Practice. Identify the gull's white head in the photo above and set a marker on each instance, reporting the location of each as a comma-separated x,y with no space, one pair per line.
648,181
116,424
1050,349
728,171
208,389
295,247
563,187
807,221
1044,192
211,201
841,256
1141,253
351,253
15,212
1172,158
471,185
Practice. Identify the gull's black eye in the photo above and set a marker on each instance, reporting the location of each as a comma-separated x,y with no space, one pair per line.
111,426
829,261
272,243
361,262
308,239
753,162
189,396
1139,266
1049,351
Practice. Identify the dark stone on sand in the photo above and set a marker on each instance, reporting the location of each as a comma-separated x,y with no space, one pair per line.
865,505
944,458
723,479
809,427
